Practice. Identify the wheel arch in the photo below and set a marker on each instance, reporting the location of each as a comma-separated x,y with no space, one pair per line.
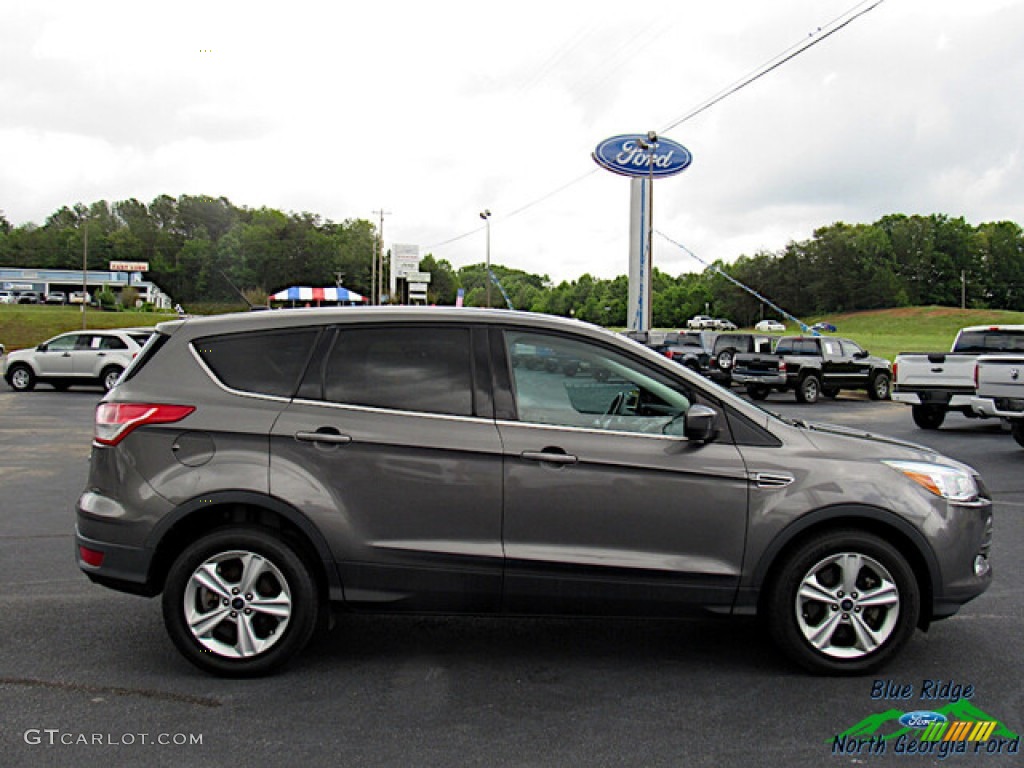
874,520
204,514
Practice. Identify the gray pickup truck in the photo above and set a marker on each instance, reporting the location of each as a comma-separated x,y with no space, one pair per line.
812,366
999,384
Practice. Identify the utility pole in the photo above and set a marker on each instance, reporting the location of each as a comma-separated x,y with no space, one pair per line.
85,270
963,289
378,273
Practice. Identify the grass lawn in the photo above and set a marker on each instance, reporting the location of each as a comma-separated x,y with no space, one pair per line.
884,332
27,325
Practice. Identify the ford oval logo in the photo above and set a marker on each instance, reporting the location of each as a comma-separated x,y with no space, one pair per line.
921,719
626,155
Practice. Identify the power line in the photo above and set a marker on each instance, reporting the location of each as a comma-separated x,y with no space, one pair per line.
817,36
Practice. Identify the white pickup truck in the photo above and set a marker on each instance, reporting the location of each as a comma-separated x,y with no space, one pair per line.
999,383
935,383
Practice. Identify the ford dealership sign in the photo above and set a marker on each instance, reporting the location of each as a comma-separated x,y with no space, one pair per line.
628,155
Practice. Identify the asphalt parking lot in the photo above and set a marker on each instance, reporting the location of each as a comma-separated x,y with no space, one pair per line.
88,675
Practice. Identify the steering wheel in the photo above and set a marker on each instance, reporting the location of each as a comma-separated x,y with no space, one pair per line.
614,409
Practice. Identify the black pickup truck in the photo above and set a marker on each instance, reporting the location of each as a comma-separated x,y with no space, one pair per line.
812,366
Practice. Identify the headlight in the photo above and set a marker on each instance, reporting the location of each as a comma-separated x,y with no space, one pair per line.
948,482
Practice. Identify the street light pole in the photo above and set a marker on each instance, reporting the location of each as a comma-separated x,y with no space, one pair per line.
486,216
85,268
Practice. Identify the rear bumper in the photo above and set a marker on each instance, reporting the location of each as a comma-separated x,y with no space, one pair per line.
777,380
123,568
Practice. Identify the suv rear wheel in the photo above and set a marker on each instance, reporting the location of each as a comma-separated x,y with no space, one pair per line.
110,376
239,602
843,602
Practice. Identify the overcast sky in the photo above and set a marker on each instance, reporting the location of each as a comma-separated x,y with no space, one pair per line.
434,111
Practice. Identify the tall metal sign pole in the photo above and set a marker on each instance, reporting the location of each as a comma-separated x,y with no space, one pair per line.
644,158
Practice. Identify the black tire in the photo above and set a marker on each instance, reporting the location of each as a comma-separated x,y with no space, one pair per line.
282,578
109,376
726,358
880,386
757,391
818,627
21,378
928,416
808,390
1017,430
830,392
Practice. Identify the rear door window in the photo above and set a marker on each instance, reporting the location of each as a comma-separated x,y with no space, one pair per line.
426,370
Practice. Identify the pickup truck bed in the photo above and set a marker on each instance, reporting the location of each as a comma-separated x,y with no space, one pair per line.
1000,390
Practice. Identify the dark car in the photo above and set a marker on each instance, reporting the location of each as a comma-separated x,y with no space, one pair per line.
29,297
824,327
726,346
259,469
687,349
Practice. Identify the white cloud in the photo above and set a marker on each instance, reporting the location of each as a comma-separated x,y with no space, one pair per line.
435,111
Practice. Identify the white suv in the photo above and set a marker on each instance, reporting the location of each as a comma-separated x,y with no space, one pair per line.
80,357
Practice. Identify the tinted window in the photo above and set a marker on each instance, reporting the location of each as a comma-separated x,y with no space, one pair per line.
990,341
63,342
850,348
111,342
568,383
423,369
266,362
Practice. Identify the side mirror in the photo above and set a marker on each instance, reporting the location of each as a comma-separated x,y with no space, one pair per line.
41,348
700,423
860,355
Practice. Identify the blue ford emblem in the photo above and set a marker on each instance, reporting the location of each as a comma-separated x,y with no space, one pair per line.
631,155
921,719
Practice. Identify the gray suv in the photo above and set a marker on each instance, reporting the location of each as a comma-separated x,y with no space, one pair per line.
259,469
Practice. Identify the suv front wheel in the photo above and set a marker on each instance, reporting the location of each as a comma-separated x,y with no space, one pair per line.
21,378
239,602
843,603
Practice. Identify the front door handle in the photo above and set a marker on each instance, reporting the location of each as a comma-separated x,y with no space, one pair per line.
549,456
328,435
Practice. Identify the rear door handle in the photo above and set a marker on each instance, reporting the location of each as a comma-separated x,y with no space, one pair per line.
328,435
549,456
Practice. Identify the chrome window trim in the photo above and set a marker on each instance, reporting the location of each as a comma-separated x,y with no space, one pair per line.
391,411
590,430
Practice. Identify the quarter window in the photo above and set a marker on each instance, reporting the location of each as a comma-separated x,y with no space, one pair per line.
263,362
427,370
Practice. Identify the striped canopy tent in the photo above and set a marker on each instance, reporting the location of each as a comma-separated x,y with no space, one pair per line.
305,294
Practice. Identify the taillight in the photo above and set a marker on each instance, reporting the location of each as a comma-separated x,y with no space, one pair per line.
782,366
115,420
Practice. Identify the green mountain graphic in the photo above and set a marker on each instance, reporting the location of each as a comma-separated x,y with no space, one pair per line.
887,724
